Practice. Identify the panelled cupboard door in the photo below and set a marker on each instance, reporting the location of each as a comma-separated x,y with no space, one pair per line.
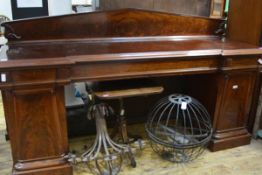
37,123
236,99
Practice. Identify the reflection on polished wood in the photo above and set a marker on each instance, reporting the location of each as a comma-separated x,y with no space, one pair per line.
129,92
45,54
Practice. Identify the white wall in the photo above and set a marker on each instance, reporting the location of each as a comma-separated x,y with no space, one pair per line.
59,7
5,8
56,7
82,2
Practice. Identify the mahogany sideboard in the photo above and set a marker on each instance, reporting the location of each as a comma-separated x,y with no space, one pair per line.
45,54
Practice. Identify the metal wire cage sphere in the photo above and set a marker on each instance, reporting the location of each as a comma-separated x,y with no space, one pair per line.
179,128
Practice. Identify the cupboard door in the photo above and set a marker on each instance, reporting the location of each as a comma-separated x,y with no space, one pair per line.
235,104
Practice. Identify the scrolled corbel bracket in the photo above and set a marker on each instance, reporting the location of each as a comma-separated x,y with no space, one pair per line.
222,29
11,33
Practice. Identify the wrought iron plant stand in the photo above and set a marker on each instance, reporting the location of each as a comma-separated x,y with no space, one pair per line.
104,157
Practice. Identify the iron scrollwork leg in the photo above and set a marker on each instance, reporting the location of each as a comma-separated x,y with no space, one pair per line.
105,156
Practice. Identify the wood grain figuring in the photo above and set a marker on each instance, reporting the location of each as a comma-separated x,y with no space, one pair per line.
189,7
119,4
111,45
32,76
127,22
44,63
48,131
128,92
60,54
238,100
236,63
234,106
245,24
44,136
245,21
127,69
43,108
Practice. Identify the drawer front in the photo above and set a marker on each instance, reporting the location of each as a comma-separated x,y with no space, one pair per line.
233,63
131,69
33,75
24,78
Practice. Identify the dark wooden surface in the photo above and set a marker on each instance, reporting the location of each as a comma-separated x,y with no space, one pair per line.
189,7
122,22
234,106
38,65
75,52
245,25
245,21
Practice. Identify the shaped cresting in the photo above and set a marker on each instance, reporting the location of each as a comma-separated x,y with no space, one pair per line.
179,45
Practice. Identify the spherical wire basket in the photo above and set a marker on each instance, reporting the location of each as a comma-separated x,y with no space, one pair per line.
179,128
